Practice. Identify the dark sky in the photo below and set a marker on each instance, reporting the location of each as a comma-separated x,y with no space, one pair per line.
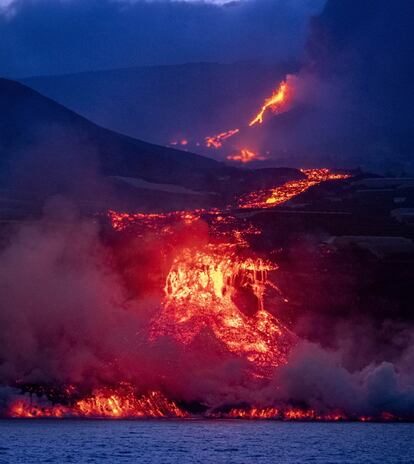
61,36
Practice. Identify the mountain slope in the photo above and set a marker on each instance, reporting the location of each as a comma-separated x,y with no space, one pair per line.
27,117
165,103
46,149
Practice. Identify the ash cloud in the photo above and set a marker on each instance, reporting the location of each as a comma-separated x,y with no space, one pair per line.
52,37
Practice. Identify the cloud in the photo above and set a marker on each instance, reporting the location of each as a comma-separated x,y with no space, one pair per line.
52,36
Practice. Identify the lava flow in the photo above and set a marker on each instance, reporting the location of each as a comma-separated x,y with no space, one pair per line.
216,141
202,290
119,403
219,286
276,103
276,196
216,290
245,156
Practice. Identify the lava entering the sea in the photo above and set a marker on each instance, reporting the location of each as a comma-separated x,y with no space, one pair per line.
216,290
121,403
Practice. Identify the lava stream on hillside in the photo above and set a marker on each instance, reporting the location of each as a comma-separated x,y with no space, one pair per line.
218,298
272,197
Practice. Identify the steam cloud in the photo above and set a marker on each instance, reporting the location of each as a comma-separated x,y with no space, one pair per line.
355,90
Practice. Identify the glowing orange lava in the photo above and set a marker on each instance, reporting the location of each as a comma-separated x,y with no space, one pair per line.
204,284
200,292
284,414
155,222
253,413
216,288
276,196
276,103
103,403
216,141
245,156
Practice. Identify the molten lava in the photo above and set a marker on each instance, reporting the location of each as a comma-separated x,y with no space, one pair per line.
215,290
152,222
276,196
216,141
103,403
253,413
200,292
245,156
277,103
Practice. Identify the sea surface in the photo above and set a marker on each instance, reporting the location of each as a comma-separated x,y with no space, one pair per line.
163,442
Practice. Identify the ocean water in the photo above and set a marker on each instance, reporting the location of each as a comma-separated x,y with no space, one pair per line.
164,442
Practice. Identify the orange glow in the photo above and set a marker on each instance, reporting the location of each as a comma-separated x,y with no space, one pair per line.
151,221
104,403
245,156
199,292
218,287
299,414
276,103
216,141
123,403
182,142
24,408
276,196
112,405
254,413
285,414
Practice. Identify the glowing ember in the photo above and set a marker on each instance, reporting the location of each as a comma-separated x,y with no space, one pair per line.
201,289
104,403
276,102
289,190
216,141
245,156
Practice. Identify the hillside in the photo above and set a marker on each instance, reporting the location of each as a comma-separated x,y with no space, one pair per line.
165,103
46,149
